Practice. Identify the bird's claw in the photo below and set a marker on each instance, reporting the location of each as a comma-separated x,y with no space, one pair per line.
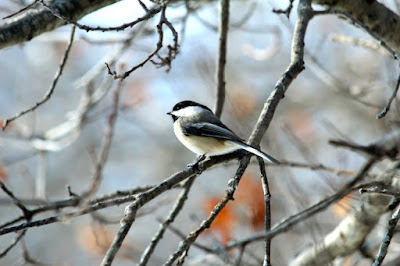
196,165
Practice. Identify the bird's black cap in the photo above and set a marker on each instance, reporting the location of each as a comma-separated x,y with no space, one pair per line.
184,104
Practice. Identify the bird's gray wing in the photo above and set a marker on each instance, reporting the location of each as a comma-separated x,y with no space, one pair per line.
219,131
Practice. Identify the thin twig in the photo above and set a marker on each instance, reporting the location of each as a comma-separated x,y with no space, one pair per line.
52,87
131,210
387,106
240,255
267,206
185,244
388,237
14,242
164,61
361,25
114,199
221,56
317,166
27,257
21,10
170,219
295,67
381,191
106,144
126,195
307,213
180,234
27,213
285,11
149,14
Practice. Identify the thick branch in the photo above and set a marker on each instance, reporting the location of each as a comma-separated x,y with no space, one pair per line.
375,16
32,23
296,66
351,232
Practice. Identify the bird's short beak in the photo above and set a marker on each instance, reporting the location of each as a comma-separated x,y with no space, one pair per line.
169,113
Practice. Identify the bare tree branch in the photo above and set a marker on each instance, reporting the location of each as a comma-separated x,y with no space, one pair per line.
35,22
185,244
221,55
387,107
170,219
105,147
50,91
376,17
13,243
131,209
296,65
149,14
289,222
388,237
267,206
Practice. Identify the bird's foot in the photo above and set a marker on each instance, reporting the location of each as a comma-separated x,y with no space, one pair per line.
196,165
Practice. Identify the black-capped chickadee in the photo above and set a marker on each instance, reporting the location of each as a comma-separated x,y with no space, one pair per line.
196,126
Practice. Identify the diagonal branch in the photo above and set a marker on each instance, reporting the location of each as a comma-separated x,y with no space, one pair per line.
374,17
296,66
165,224
387,106
131,210
52,87
289,222
149,14
35,22
388,237
185,244
106,144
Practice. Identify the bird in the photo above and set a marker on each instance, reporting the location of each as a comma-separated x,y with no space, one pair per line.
202,132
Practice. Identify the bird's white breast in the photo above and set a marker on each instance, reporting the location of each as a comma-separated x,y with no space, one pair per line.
204,145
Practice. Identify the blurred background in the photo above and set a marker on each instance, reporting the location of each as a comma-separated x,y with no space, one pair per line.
345,84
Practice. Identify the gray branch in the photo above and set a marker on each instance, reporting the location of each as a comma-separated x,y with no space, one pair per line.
34,22
376,17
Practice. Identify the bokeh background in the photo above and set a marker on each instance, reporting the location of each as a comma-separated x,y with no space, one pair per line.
338,95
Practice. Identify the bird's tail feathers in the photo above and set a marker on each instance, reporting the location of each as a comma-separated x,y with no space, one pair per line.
258,153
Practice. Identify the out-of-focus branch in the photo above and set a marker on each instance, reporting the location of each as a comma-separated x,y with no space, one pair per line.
131,209
371,45
13,243
285,11
221,56
32,23
171,217
114,199
106,144
388,237
376,17
351,232
296,65
164,61
149,14
184,246
50,91
289,222
387,106
267,206
388,145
